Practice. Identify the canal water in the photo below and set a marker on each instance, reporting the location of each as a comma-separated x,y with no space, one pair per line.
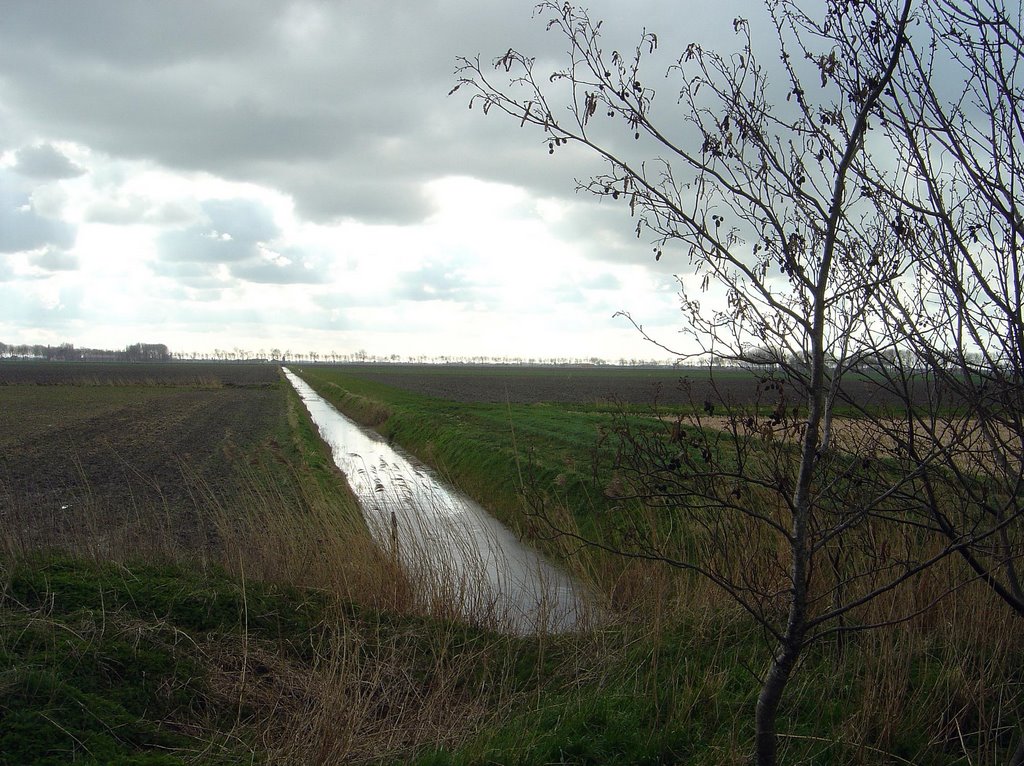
450,546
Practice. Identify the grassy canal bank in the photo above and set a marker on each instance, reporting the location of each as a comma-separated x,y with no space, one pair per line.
197,587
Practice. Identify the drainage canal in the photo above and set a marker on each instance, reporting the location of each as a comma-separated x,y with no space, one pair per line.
448,544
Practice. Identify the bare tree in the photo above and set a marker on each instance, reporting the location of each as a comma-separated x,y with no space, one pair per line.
769,186
962,139
954,119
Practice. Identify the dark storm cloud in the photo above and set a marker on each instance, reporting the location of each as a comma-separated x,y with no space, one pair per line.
160,34
45,162
272,94
344,108
323,195
21,227
341,106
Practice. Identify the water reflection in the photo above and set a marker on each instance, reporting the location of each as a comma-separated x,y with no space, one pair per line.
446,541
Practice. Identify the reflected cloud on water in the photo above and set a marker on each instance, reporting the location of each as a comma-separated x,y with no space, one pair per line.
447,542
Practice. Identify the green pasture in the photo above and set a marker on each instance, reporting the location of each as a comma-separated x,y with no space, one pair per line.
274,647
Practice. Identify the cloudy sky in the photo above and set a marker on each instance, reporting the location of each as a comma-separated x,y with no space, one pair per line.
239,174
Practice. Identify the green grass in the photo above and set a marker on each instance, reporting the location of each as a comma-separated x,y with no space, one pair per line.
667,702
877,699
105,664
288,648
490,451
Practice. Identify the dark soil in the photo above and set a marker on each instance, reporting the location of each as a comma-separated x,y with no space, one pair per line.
209,374
110,453
584,385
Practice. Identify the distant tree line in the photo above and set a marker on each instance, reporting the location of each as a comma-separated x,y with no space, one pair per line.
159,352
68,352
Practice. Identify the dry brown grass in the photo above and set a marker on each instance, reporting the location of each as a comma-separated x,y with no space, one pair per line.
373,690
367,694
366,688
961,440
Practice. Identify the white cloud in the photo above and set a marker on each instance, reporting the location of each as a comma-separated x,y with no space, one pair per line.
55,260
22,226
294,174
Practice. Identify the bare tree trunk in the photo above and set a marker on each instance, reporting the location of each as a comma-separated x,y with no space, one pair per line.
788,651
767,741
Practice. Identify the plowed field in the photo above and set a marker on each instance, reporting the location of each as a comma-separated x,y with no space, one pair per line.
115,451
587,385
209,374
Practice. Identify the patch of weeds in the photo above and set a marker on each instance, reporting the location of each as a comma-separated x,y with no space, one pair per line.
113,664
213,602
49,716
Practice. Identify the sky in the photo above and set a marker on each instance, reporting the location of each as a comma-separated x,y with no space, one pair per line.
294,175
